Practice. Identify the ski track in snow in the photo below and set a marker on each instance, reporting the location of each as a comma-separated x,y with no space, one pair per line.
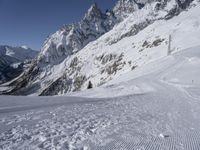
166,118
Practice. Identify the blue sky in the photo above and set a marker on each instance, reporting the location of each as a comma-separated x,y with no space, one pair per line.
29,22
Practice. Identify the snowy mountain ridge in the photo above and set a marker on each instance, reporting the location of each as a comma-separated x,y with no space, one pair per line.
69,60
19,53
12,60
71,38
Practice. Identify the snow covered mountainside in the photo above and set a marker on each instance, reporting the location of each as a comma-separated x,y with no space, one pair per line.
156,107
103,46
12,60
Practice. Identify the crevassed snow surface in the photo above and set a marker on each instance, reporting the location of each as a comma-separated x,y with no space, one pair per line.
156,106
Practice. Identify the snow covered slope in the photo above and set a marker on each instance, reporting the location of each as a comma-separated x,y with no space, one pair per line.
149,31
11,59
179,70
155,107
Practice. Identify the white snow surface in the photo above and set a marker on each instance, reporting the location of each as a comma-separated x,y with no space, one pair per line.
153,107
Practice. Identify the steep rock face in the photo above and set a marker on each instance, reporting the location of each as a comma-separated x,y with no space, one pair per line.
69,60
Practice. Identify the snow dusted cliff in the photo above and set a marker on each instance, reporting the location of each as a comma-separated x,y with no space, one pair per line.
103,46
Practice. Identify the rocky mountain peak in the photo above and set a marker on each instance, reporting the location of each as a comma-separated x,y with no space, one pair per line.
71,38
93,7
93,11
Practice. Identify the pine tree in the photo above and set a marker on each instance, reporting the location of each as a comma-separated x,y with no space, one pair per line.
90,86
